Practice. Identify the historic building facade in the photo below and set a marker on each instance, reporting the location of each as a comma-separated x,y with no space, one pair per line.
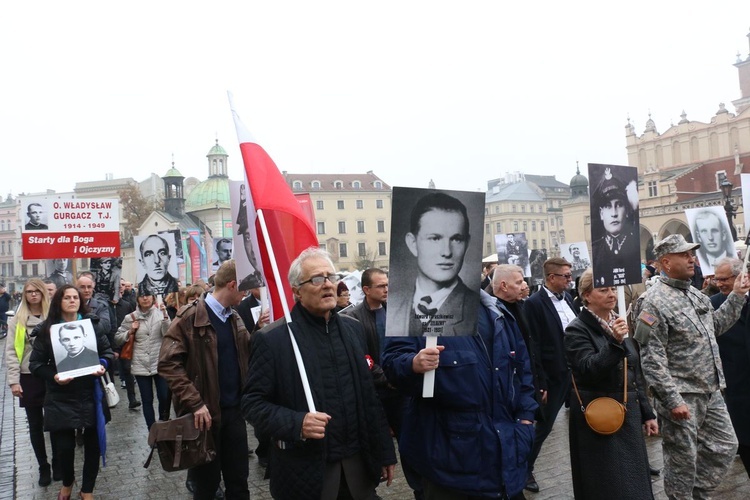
352,216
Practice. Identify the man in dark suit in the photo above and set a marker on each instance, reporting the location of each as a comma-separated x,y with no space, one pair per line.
734,350
73,337
440,304
547,313
34,213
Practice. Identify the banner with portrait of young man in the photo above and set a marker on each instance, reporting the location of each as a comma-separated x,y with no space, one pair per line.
435,263
577,253
710,228
513,248
615,229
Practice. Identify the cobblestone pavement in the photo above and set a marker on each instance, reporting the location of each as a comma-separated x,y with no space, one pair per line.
125,477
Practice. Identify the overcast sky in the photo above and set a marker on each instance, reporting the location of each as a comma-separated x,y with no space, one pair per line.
458,92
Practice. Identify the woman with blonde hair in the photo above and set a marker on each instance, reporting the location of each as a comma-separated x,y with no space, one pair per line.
597,347
28,389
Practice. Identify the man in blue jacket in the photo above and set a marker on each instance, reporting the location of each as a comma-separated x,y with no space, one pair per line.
473,437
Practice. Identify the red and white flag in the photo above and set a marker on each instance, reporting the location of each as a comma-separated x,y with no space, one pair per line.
290,229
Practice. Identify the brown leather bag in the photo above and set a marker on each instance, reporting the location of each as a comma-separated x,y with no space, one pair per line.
126,351
605,415
180,444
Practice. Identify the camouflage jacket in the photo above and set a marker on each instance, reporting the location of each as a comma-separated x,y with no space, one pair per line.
676,329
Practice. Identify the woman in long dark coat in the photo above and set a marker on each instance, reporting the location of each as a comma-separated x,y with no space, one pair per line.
614,466
72,403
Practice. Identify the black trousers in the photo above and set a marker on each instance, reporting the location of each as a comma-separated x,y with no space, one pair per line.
557,393
64,444
230,439
35,417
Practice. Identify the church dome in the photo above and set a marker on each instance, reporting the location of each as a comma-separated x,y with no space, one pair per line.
579,180
217,150
209,194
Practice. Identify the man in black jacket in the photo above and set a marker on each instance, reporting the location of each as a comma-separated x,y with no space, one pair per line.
547,313
343,446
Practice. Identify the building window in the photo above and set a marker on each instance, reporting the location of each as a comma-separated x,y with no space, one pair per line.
378,185
381,226
360,204
360,226
552,222
378,203
544,243
515,225
531,208
541,225
381,248
24,269
342,250
361,249
342,227
489,247
338,184
523,209
2,225
533,225
357,185
315,184
2,245
652,191
319,204
10,248
534,245
297,185
497,209
340,204
486,229
35,269
513,208
498,227
322,246
321,228
525,226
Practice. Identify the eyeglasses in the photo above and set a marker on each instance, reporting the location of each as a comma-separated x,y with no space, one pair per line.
33,292
319,280
722,280
566,276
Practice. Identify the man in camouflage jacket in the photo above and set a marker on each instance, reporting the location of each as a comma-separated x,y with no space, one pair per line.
676,329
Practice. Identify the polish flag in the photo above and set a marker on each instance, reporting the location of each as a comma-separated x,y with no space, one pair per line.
290,228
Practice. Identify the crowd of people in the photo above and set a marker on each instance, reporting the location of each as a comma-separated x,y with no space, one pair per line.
327,431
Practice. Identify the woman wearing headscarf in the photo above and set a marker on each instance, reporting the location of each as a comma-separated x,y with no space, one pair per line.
72,403
29,389
611,466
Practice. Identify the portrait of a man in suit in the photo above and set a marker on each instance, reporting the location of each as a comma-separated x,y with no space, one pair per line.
73,338
34,212
154,260
437,302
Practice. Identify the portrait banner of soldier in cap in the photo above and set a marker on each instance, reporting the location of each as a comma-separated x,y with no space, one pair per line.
513,248
615,235
577,254
245,239
710,229
436,256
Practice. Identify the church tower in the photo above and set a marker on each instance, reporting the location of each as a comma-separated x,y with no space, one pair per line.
174,199
743,68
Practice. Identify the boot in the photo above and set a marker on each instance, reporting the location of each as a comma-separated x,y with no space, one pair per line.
45,475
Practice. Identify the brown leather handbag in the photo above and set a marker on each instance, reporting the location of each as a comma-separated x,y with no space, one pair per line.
605,415
126,351
180,444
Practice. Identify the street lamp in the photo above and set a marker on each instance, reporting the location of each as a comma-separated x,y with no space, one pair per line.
726,190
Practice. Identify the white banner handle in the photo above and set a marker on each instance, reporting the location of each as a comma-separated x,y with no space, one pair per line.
428,389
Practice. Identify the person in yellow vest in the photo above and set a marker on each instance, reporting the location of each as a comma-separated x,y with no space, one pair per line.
28,389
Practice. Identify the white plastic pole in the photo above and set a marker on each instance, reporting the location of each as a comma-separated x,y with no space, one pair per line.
287,315
428,387
621,302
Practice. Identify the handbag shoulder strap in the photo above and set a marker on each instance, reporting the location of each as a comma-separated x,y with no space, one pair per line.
625,386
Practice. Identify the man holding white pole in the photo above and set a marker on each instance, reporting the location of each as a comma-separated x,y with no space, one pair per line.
343,446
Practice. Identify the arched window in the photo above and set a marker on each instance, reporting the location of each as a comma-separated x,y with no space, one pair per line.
357,185
378,185
297,185
338,184
316,184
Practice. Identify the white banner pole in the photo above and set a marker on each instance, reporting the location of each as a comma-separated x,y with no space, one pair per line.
428,387
287,314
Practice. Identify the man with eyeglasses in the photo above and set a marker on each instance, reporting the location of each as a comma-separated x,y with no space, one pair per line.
204,358
547,314
734,348
676,329
344,448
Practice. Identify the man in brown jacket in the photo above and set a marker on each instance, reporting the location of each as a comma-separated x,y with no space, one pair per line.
204,358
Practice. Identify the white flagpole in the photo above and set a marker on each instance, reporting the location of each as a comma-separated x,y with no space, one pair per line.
287,315
428,382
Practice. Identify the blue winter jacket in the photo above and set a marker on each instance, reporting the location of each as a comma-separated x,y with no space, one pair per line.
468,436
